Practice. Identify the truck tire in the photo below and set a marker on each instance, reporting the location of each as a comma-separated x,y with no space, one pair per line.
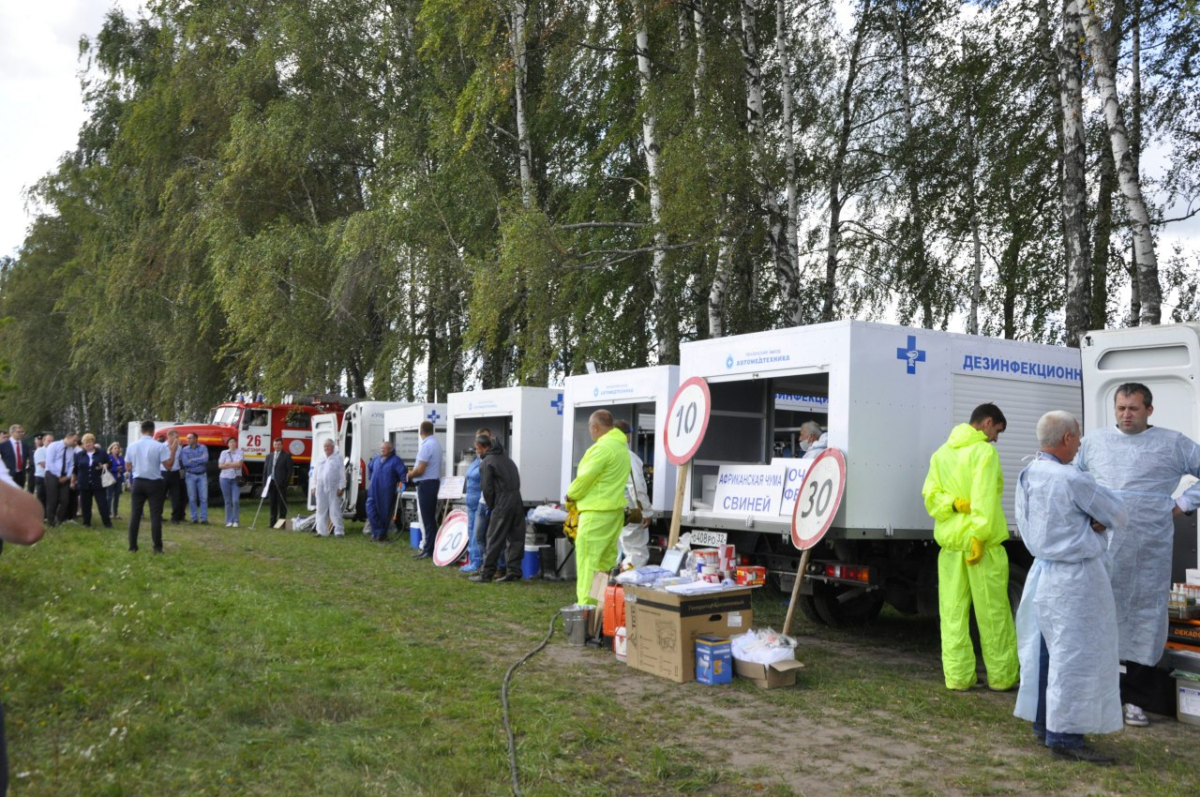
854,611
809,608
360,506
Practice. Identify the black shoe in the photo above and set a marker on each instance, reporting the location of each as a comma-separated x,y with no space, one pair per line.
158,550
507,578
420,555
1083,753
480,578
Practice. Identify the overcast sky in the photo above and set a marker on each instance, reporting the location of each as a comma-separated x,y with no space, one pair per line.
41,111
40,106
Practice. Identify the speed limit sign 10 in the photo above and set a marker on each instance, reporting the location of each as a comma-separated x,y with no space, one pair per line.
687,420
819,498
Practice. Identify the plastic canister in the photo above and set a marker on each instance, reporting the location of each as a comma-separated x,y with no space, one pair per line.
531,565
620,644
414,534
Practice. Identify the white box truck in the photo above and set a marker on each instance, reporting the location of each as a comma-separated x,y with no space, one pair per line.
402,426
527,421
1165,359
357,440
887,396
641,396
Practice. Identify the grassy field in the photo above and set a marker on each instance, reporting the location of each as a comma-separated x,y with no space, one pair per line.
275,663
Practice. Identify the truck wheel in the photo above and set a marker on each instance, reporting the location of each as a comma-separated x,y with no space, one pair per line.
360,506
853,611
809,608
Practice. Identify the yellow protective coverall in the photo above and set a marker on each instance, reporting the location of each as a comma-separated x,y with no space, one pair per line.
966,469
599,493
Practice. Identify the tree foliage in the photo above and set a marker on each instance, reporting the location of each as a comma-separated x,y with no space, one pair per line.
403,198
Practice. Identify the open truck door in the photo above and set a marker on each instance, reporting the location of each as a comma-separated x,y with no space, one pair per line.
324,427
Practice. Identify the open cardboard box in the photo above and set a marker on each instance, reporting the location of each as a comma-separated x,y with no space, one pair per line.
768,676
662,627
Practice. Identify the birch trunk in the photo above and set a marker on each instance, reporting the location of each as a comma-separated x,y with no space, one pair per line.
701,54
783,51
836,200
1106,187
520,51
923,274
784,270
1149,290
720,285
1074,185
976,239
666,335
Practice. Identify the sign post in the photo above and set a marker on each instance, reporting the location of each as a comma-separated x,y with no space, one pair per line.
816,505
687,421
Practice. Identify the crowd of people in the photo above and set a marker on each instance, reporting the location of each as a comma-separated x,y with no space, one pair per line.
1098,515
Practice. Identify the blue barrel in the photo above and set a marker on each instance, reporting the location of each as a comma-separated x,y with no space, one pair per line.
531,565
414,533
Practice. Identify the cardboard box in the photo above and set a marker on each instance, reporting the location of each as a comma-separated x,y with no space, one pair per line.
714,661
768,676
285,524
662,627
1187,701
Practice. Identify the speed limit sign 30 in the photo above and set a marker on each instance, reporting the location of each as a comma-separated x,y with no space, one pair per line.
819,498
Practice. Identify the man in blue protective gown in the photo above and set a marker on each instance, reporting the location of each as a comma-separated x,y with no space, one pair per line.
1143,465
1067,621
386,475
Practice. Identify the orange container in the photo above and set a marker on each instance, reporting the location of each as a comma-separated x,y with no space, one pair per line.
614,609
751,575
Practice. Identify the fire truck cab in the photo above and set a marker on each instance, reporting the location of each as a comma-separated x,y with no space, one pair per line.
256,424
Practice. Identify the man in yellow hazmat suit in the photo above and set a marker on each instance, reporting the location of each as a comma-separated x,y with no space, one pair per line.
598,494
962,495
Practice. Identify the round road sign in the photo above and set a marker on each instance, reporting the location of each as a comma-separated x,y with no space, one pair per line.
819,498
687,420
451,539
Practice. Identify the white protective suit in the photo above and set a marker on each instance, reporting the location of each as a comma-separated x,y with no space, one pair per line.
635,537
1068,599
1144,470
329,477
816,448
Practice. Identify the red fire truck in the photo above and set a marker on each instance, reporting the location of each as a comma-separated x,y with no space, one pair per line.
256,424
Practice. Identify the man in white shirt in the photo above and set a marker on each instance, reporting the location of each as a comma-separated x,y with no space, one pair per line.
60,465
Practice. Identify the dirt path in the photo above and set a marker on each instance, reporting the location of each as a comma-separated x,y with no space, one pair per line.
817,750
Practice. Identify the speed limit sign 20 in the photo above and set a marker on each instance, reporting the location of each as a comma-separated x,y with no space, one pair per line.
819,498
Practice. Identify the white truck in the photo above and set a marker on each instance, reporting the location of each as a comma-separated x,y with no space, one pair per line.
887,396
641,396
527,421
357,439
402,426
1165,359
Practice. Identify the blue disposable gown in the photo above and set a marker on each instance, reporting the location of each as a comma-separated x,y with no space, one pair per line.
1068,599
1144,469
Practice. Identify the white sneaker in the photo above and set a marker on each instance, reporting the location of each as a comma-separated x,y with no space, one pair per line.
228,525
235,525
1135,716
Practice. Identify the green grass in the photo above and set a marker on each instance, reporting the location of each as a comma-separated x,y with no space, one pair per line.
274,663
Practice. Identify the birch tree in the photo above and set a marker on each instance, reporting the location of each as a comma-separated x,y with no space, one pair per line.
1148,288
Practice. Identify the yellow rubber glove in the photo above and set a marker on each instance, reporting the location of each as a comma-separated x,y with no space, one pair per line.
976,554
571,524
962,505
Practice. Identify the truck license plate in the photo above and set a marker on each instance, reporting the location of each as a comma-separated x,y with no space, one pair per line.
709,539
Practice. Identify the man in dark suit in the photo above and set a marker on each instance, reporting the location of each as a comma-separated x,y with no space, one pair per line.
17,456
277,470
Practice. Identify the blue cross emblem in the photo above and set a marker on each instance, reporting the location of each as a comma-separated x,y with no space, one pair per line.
433,416
729,361
558,403
911,354
596,392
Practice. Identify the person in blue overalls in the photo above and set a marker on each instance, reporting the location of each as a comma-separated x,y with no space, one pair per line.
386,475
